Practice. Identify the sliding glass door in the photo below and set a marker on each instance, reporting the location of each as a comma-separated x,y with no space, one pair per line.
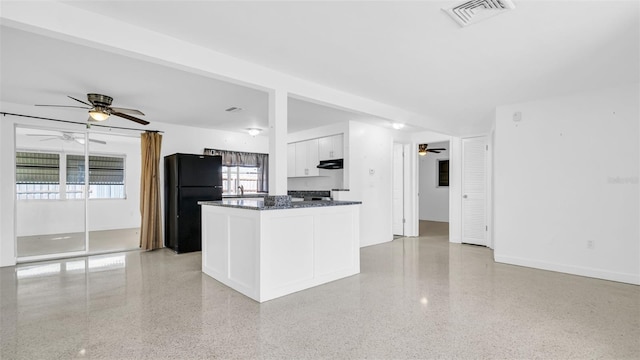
76,193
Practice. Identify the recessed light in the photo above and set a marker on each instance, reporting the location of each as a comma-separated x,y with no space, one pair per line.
397,126
254,132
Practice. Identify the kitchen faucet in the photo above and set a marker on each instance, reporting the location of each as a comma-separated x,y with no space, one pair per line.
241,187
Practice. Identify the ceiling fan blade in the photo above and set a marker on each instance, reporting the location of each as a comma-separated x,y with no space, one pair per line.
86,103
39,135
67,106
129,117
51,138
125,110
433,151
98,141
439,149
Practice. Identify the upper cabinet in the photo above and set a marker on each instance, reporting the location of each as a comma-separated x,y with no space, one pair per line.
306,158
303,157
330,147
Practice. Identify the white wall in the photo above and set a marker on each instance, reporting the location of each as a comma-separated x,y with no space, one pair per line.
434,200
565,177
370,167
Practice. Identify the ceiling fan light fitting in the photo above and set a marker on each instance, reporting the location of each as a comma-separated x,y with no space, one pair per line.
422,149
98,115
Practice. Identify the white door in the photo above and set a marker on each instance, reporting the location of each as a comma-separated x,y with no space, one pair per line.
474,159
398,190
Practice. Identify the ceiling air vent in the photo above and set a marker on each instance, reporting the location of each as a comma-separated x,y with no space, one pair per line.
473,11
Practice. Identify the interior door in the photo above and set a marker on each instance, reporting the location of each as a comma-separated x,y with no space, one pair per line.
474,159
398,190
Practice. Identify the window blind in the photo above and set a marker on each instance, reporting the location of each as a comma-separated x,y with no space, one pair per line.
37,168
103,170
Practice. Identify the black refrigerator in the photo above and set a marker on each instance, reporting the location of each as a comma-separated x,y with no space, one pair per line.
188,178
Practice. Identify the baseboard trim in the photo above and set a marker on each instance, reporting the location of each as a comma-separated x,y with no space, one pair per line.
570,269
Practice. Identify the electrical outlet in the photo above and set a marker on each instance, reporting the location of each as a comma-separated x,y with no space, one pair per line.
589,244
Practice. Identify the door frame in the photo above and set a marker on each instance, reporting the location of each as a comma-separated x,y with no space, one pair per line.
405,179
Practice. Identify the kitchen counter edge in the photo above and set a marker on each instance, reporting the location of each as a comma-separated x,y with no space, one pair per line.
259,204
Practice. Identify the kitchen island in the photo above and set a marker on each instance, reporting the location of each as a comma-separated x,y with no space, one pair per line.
266,252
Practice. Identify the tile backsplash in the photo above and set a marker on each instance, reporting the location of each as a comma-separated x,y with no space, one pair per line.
328,179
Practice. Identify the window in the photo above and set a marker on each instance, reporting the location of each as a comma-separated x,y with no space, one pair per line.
249,170
39,176
234,176
106,177
443,173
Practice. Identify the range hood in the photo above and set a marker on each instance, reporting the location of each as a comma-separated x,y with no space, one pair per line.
331,164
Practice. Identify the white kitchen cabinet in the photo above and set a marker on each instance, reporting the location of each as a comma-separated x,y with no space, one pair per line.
330,147
272,253
306,158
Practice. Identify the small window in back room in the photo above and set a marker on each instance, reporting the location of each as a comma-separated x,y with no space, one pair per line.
443,173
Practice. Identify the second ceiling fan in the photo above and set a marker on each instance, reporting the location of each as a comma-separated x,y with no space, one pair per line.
100,109
68,137
423,149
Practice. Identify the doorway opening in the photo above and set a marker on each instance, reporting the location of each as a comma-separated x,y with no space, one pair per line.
433,190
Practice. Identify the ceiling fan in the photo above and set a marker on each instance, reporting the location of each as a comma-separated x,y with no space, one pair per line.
68,137
422,149
100,109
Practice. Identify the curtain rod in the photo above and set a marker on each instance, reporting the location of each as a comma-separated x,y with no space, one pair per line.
79,123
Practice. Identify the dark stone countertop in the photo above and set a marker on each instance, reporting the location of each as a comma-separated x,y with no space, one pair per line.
309,193
253,204
246,195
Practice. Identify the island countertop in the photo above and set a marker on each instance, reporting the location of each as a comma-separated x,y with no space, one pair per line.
256,204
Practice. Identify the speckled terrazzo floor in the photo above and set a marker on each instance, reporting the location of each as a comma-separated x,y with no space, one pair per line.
416,298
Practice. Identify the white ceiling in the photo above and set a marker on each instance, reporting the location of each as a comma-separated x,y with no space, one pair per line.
408,54
164,94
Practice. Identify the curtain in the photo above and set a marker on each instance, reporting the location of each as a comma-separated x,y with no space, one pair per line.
237,158
151,226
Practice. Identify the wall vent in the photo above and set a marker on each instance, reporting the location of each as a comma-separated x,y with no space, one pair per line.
471,12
